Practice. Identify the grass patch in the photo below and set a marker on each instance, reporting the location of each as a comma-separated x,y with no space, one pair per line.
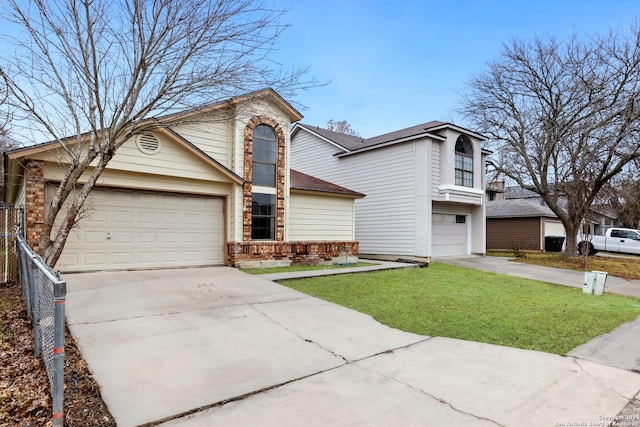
627,268
457,302
302,268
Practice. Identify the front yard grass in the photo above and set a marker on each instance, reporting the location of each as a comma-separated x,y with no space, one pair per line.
626,268
457,302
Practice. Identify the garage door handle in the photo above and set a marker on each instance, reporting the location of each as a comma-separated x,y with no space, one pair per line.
109,235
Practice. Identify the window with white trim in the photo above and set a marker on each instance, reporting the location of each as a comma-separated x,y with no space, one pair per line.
464,161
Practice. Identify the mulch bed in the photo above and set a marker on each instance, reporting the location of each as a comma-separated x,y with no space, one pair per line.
25,397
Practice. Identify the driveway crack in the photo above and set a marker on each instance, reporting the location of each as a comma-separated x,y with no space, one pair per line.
598,380
300,336
431,396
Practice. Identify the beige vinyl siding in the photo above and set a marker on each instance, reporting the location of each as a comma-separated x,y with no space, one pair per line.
385,217
172,160
20,200
318,217
212,138
124,179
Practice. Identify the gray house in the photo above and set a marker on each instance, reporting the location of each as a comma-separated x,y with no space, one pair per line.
424,186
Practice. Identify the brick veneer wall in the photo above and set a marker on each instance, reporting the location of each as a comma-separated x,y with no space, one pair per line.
307,252
34,202
248,251
248,176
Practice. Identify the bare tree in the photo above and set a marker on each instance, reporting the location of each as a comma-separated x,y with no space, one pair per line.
562,117
95,69
623,195
6,140
342,127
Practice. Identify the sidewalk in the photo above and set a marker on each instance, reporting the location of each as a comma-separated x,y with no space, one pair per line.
379,265
559,276
619,348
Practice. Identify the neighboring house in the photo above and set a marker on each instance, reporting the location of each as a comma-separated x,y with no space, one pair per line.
424,186
205,187
520,224
598,220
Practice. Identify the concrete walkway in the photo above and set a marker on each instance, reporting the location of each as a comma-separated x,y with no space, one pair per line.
619,348
378,266
218,347
503,265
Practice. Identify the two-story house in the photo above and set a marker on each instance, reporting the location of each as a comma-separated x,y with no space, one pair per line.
424,186
204,187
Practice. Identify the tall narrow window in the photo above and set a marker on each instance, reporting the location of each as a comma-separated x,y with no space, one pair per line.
263,216
264,156
464,161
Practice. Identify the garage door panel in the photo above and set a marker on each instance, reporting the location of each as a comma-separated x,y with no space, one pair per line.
449,237
136,229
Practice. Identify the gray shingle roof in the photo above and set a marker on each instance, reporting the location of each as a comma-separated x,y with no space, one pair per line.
517,208
353,143
516,192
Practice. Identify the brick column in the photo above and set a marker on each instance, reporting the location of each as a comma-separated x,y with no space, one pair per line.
34,202
248,176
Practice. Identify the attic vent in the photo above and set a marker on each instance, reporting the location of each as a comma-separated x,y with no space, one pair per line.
148,143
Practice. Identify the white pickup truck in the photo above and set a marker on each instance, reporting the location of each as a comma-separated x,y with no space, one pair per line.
625,240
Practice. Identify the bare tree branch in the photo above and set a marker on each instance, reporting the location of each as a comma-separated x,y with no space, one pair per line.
562,117
96,69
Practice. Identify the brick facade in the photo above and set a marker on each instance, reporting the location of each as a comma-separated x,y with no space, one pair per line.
298,253
34,202
248,176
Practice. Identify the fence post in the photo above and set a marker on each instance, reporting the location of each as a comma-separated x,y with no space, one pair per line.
35,310
57,389
24,277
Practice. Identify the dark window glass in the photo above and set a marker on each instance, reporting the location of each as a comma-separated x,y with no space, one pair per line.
464,161
264,156
461,219
264,174
263,216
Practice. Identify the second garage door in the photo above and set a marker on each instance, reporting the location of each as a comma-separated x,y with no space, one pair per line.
450,235
125,229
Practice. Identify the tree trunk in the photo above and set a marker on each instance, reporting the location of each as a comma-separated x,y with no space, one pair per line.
571,240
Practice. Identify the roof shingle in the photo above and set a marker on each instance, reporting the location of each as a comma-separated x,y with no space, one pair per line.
302,181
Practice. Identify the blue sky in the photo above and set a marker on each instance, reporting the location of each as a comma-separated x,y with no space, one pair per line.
394,64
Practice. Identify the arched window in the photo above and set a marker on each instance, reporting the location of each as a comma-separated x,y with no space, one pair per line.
464,161
264,156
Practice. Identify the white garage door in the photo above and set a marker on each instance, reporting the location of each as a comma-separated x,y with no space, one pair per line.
449,235
126,229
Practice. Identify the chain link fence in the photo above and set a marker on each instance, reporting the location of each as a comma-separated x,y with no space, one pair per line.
44,293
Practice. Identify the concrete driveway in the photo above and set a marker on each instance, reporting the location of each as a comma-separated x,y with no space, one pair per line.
214,346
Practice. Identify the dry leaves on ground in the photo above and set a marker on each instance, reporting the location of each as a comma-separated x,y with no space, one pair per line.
25,397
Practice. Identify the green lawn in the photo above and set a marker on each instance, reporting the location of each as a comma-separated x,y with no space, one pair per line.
456,302
302,268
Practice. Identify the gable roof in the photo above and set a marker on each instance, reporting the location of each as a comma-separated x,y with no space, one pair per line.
303,182
153,123
517,208
354,144
516,192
